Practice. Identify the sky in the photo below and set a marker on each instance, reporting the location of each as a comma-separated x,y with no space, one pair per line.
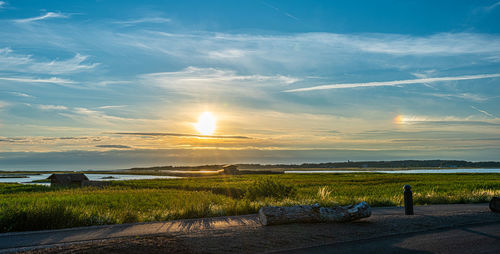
117,84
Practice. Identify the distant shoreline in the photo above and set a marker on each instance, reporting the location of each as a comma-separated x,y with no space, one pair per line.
342,166
273,171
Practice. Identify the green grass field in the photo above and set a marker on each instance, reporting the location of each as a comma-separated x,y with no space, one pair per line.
31,207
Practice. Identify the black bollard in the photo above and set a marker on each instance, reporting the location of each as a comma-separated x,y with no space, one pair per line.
408,200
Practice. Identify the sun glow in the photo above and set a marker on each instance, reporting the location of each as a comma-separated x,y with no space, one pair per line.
399,119
206,124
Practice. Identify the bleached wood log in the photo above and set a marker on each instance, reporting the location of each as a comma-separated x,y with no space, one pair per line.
272,215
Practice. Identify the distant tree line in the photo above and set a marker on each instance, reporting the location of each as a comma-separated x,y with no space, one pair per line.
348,164
385,164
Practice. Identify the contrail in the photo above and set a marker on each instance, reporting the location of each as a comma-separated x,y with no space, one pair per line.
392,83
483,111
52,80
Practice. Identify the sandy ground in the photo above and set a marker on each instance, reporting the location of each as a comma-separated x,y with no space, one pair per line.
251,237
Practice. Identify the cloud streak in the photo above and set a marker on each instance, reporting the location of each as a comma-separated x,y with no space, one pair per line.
179,135
448,120
491,7
52,80
283,12
114,146
393,83
48,15
154,20
52,107
483,111
194,82
22,95
463,96
212,76
112,106
10,61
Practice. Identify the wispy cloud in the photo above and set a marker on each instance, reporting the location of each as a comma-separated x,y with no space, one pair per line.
100,118
282,12
179,135
491,7
22,94
425,74
114,146
66,138
306,53
460,123
441,44
12,140
464,96
393,83
213,75
52,107
10,61
446,120
484,112
52,80
112,82
112,106
192,79
71,65
81,113
155,20
226,53
48,15
2,4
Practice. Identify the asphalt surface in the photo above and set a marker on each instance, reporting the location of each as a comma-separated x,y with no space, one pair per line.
468,239
458,228
11,242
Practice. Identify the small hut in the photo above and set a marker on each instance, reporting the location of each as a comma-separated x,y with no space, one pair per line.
230,169
77,180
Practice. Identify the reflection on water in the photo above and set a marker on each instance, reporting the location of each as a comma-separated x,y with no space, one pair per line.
28,179
93,177
194,171
409,171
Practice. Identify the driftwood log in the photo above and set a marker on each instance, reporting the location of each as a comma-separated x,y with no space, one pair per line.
272,215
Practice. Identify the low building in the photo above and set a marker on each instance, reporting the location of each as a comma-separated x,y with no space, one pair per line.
77,180
230,169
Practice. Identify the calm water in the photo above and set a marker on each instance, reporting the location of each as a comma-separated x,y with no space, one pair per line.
410,171
102,177
92,177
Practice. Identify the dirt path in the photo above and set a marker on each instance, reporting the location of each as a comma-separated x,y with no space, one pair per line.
242,233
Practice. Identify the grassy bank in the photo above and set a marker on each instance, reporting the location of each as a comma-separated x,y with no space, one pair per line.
29,207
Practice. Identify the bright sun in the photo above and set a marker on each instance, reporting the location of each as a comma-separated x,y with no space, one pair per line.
206,124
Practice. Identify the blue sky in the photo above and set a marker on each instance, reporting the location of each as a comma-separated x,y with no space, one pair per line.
287,81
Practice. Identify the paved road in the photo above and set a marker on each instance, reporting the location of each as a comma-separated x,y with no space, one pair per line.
26,240
468,239
233,233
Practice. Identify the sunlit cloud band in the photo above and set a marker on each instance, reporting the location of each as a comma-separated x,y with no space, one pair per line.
393,83
179,135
